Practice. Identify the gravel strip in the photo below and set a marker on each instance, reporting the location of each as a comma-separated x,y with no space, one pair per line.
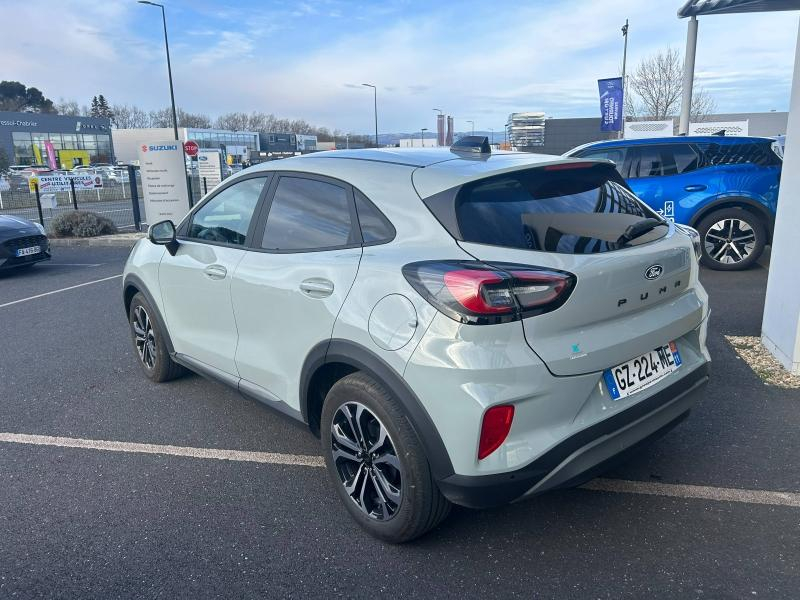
752,351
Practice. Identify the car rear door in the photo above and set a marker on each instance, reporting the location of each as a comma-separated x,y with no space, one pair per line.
287,291
669,178
196,282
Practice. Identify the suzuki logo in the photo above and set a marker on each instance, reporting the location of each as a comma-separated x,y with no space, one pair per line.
653,272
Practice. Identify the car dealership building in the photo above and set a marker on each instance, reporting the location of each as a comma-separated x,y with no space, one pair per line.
25,137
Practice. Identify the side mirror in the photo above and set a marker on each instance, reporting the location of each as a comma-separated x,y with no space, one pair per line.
163,234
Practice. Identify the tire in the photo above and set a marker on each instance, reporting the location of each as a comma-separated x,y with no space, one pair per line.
399,463
719,232
148,342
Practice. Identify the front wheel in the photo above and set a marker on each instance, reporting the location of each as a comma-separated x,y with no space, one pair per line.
733,239
148,339
377,463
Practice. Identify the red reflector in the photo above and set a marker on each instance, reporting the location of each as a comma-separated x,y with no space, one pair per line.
569,165
494,429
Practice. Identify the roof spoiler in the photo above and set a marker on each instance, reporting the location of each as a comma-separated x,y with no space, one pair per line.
472,144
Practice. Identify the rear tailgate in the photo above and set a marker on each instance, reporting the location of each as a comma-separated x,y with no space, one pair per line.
614,313
635,289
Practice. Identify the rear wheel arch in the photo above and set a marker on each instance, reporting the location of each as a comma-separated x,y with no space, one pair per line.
752,206
328,362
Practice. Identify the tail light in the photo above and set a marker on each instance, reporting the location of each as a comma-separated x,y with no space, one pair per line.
694,236
482,294
494,429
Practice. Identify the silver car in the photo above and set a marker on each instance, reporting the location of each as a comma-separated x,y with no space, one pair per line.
455,326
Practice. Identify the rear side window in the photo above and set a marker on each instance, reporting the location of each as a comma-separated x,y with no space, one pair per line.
375,227
756,153
307,214
616,155
661,160
566,210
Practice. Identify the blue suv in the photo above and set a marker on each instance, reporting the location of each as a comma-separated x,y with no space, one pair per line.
725,187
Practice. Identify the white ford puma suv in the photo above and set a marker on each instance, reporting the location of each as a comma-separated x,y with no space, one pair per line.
457,327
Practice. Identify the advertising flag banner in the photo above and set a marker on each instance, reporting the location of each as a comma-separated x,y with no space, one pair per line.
610,104
51,155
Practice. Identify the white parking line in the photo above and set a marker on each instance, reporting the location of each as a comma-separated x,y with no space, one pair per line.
55,264
701,492
72,287
621,486
272,458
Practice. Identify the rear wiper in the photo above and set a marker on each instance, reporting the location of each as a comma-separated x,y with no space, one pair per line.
638,229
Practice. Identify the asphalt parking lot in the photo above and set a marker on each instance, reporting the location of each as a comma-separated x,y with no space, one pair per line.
119,520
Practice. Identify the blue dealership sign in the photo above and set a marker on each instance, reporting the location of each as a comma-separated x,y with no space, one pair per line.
610,104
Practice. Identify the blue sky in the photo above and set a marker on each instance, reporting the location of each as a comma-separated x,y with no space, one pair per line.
475,60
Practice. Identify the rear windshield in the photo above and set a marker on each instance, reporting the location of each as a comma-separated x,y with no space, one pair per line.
566,210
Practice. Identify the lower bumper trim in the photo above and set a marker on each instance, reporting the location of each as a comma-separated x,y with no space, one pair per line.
584,454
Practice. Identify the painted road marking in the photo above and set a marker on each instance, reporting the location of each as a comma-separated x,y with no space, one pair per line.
66,289
272,458
702,492
56,264
621,486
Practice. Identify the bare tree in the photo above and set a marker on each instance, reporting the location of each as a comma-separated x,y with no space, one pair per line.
655,88
703,105
193,120
129,117
68,108
235,121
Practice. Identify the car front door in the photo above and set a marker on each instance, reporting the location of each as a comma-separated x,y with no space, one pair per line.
288,292
196,282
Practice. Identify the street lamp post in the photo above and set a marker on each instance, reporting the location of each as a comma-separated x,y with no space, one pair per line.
473,126
169,66
624,61
422,136
492,130
375,91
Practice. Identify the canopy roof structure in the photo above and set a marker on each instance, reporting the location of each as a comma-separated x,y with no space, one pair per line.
780,328
695,8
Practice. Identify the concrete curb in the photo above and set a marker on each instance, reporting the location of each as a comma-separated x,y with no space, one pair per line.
125,240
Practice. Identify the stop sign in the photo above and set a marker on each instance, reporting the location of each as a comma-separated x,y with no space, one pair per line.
191,148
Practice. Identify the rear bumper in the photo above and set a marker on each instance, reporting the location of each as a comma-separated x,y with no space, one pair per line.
584,454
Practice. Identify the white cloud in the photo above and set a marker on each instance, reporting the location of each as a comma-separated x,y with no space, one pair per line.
478,61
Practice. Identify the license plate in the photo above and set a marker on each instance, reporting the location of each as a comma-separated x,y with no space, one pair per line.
29,251
642,372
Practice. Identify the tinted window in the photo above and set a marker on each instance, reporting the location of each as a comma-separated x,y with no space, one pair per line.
307,214
663,160
648,162
617,155
685,158
760,153
375,228
573,211
226,217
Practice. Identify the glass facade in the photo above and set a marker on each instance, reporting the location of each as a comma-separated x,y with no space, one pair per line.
29,148
208,138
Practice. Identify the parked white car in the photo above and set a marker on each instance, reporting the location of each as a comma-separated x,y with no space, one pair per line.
461,327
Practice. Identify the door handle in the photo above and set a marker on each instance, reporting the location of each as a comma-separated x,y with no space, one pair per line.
316,287
695,188
215,272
